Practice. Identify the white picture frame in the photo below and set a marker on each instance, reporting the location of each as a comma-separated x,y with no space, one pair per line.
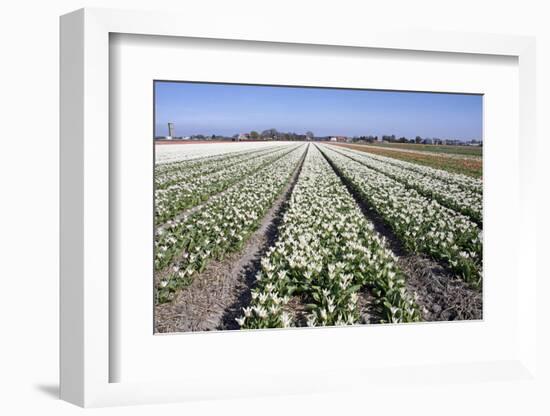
86,355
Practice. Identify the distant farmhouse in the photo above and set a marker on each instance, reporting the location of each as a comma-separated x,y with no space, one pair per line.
339,139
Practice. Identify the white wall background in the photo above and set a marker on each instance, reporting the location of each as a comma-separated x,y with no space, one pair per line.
29,205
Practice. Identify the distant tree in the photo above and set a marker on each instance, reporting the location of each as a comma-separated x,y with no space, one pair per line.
310,135
270,133
254,135
289,136
402,140
418,139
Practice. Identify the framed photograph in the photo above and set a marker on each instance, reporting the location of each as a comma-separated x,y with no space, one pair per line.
291,212
277,229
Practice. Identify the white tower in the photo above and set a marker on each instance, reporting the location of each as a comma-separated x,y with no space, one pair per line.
171,131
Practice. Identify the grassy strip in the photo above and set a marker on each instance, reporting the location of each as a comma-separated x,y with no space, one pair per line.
475,151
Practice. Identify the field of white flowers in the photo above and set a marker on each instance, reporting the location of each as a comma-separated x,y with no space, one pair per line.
325,262
177,152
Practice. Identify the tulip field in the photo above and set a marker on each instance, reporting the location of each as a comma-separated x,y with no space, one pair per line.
295,234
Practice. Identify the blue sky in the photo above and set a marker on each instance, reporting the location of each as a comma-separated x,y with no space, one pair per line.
227,109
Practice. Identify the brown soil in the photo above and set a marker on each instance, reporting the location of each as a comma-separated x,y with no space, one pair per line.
440,295
296,308
216,297
367,309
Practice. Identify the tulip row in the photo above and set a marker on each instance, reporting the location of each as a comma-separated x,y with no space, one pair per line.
326,253
185,246
168,154
463,181
422,224
183,195
169,174
448,193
